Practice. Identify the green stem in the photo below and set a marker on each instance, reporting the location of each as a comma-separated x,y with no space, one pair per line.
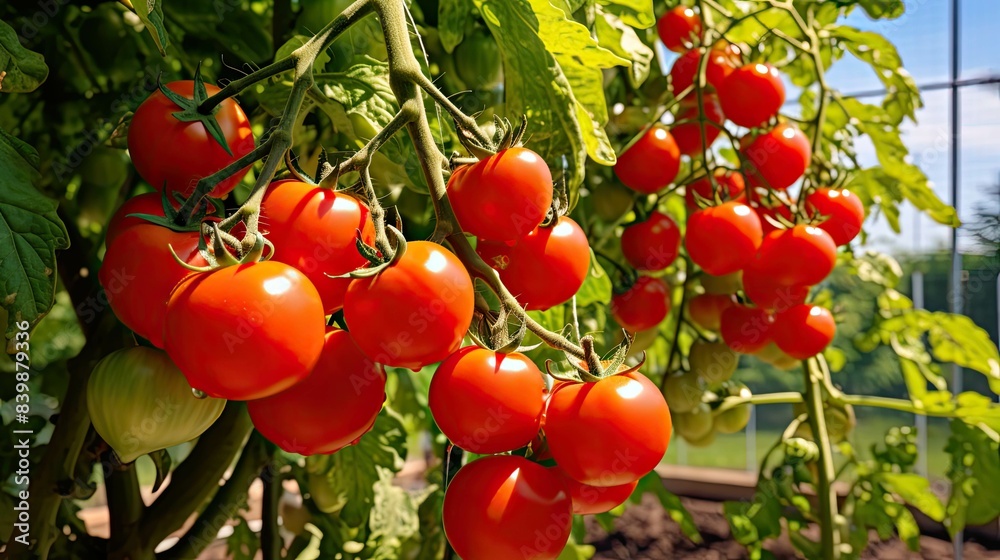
197,477
827,514
225,505
270,535
675,343
768,398
125,510
236,86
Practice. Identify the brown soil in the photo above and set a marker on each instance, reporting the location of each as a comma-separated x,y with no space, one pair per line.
646,532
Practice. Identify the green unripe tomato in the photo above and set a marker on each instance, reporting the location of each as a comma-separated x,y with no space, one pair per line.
683,392
140,402
478,61
734,419
840,421
727,284
610,200
714,362
694,425
705,441
323,495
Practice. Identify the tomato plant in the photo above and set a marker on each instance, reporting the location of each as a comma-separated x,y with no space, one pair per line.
500,197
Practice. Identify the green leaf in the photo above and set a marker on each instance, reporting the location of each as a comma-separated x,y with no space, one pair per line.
877,268
238,30
393,518
637,14
26,70
652,484
150,12
916,491
624,42
574,551
975,477
596,287
452,17
756,521
878,187
353,472
902,97
882,9
30,235
957,339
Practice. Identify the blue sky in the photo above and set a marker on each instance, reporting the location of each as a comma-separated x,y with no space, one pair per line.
922,36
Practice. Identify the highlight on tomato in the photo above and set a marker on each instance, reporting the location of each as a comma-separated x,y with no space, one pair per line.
840,210
752,95
732,221
635,167
803,331
777,158
653,243
643,305
679,28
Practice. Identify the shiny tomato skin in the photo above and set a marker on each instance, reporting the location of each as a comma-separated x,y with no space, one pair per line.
843,210
245,332
685,69
752,95
731,183
746,329
427,293
723,239
679,29
804,330
486,402
706,310
802,255
777,158
316,230
643,306
148,203
766,292
299,419
592,427
650,163
505,506
139,272
559,254
168,152
688,135
589,500
651,244
502,197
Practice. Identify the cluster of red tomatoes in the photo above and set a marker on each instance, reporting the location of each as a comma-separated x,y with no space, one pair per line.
257,331
741,222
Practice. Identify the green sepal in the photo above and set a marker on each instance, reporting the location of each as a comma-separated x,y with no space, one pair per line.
190,112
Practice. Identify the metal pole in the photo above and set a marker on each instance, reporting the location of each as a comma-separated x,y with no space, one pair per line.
751,440
957,305
917,281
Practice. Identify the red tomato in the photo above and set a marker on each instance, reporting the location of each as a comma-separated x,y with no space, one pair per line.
413,313
245,332
843,211
652,244
723,239
608,433
685,69
174,154
589,499
731,183
706,310
559,254
801,255
767,293
486,402
316,230
643,306
651,163
149,203
804,330
502,197
505,506
746,329
298,419
679,29
139,272
688,135
777,158
752,95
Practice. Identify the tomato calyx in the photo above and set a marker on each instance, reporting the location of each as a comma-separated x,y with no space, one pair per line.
190,109
220,256
379,261
491,330
506,137
174,220
560,204
595,367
